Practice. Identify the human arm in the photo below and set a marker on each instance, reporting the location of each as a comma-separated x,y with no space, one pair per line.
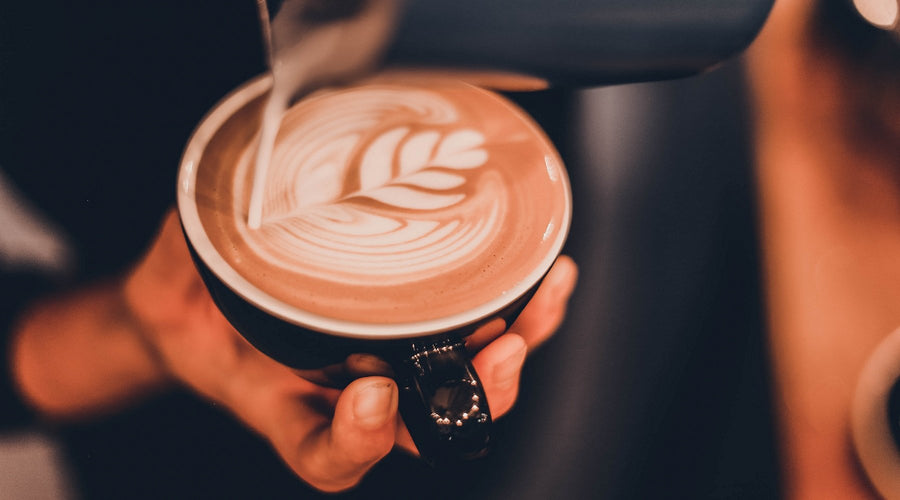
166,328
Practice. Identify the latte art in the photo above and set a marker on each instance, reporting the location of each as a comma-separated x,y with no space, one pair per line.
418,202
342,202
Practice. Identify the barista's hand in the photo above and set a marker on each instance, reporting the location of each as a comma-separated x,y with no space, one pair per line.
329,437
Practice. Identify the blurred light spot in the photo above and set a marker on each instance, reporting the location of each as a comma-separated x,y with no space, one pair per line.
881,13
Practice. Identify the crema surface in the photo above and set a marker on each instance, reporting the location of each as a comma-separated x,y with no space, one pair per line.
387,202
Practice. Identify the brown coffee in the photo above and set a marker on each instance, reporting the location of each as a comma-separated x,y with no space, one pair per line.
393,202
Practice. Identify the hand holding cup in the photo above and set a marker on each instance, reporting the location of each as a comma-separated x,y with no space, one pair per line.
330,437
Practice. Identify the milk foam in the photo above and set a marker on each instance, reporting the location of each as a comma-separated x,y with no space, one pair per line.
390,208
345,204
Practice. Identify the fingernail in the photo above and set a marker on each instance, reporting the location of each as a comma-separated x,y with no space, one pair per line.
374,405
506,372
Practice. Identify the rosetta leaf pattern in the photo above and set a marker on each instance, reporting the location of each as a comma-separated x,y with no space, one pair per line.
435,179
375,167
420,180
400,168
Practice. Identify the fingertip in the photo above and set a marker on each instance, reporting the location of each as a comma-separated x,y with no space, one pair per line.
565,261
363,428
544,313
563,276
374,402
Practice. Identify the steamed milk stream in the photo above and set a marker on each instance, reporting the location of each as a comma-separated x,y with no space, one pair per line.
387,202
311,43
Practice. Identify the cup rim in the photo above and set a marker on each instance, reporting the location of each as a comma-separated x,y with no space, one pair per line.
203,246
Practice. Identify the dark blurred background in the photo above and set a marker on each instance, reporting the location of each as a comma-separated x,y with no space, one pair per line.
657,385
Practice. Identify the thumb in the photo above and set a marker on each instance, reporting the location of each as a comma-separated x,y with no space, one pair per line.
362,430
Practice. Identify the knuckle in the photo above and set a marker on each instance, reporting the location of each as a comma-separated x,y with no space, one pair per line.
332,480
331,470
322,476
363,455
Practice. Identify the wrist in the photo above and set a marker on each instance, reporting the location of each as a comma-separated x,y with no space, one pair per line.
81,354
143,340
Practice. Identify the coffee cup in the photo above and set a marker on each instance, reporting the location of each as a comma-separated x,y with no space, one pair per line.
400,215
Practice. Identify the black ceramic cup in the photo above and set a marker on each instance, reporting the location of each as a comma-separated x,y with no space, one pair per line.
875,417
442,400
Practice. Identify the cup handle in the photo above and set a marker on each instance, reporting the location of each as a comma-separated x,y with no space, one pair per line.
443,404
